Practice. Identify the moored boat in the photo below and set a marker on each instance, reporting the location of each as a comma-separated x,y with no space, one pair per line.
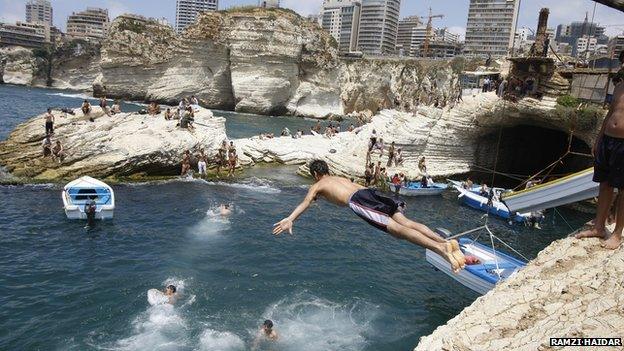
416,189
494,266
86,190
474,199
573,188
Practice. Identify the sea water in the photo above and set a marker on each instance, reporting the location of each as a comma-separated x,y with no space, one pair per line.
336,284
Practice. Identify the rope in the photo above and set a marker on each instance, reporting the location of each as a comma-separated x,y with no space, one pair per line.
500,134
566,222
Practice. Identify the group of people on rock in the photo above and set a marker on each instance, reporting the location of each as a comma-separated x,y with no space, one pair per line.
51,149
226,158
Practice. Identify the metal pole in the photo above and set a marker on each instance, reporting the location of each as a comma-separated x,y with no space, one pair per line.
513,45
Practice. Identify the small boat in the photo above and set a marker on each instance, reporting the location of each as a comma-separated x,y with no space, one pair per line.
80,192
494,266
416,189
474,199
573,188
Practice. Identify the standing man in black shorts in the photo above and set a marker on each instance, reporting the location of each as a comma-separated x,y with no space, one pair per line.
609,167
381,212
49,122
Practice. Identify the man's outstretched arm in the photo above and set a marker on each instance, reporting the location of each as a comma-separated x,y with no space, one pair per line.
286,224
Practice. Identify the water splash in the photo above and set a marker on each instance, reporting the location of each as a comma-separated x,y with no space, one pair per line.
213,340
306,322
251,184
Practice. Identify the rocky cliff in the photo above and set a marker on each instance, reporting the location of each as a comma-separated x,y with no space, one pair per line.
263,61
574,289
121,145
73,65
454,140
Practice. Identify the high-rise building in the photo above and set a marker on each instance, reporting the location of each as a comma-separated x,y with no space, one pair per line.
571,33
269,3
39,11
443,34
91,24
341,18
379,25
407,44
187,11
30,35
585,46
616,45
490,27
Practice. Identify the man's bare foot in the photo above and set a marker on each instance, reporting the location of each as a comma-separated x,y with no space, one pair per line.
592,233
458,254
448,255
613,242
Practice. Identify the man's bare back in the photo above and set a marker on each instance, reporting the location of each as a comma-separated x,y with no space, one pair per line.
614,126
336,190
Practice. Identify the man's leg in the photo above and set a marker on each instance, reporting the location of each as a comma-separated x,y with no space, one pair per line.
605,198
616,238
444,249
404,221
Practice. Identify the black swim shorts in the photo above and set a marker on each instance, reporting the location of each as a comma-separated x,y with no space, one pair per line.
609,162
374,208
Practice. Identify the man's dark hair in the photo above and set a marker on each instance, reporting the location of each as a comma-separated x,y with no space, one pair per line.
268,323
319,168
172,287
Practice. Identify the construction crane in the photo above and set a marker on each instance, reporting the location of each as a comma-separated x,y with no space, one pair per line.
429,29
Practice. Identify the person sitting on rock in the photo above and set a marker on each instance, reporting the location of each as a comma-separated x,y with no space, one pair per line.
47,146
194,101
368,174
168,114
58,154
186,121
104,105
379,145
153,109
381,212
116,108
422,165
86,107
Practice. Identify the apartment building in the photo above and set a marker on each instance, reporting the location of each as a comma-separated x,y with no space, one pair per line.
490,27
187,11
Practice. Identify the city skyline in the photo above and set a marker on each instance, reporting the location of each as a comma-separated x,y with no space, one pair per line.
455,17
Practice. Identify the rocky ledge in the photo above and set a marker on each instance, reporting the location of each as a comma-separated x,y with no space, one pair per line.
122,145
574,288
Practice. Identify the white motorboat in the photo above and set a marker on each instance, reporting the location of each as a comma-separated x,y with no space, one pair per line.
573,188
82,192
416,189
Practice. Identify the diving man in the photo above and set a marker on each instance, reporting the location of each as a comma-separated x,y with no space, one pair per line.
379,211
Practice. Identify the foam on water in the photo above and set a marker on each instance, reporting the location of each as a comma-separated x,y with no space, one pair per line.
160,327
306,322
213,340
252,184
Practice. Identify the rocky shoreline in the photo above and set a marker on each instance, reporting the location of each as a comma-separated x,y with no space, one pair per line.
574,288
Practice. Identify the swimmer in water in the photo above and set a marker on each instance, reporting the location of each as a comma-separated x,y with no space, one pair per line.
266,333
170,292
225,210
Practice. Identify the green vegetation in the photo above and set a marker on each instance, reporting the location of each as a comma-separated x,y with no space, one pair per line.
132,25
568,101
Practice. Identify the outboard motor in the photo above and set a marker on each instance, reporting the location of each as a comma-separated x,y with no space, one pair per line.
90,212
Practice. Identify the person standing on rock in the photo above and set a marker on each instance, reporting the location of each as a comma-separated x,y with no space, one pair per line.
232,161
49,122
201,163
381,212
391,154
609,167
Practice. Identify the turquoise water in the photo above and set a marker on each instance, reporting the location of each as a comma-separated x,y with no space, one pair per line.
337,284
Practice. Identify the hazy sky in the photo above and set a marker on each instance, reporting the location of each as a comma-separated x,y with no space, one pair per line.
561,11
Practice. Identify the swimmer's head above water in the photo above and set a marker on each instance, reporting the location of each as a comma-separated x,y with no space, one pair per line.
170,289
267,326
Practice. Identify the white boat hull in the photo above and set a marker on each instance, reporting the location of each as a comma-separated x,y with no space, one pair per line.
463,277
74,203
571,189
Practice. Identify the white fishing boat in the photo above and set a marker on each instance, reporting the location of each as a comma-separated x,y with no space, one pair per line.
573,188
85,190
494,266
416,189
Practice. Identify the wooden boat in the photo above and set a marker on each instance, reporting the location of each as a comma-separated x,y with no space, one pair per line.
82,191
573,188
495,266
